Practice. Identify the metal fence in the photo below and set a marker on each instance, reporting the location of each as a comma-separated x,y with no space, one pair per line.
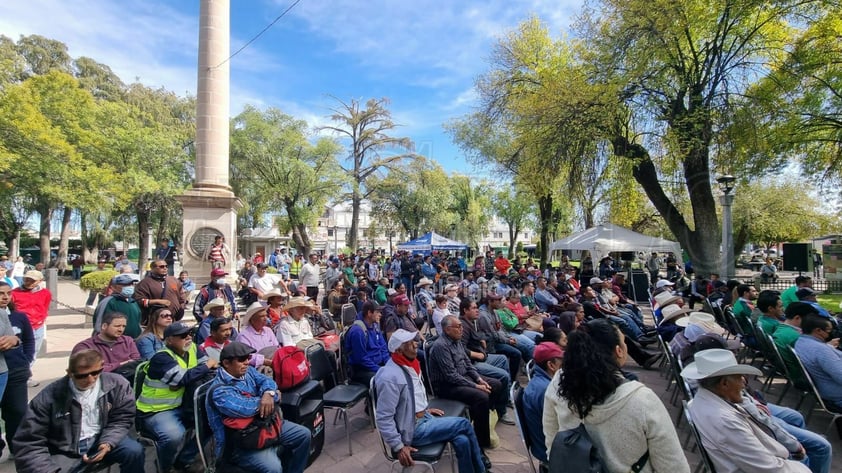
819,285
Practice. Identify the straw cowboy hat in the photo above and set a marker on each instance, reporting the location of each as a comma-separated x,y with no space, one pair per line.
424,282
666,298
673,312
716,362
298,302
254,308
214,303
275,292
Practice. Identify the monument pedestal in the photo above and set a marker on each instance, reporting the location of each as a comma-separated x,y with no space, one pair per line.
207,214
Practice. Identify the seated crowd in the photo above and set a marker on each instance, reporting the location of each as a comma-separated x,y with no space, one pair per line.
427,326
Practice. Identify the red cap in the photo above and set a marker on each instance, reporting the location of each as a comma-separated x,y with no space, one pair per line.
217,272
401,299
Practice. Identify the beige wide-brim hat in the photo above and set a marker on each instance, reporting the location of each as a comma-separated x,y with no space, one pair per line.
716,362
666,298
254,308
673,313
33,275
703,320
298,302
272,293
214,303
424,282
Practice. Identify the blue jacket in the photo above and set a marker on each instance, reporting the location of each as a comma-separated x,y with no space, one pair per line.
21,356
235,397
206,294
533,409
367,348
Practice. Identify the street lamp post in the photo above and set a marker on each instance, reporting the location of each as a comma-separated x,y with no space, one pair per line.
335,241
726,185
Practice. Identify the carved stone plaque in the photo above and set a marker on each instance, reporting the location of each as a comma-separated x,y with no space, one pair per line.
201,239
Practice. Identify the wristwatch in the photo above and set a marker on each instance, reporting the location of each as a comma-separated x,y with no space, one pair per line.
271,393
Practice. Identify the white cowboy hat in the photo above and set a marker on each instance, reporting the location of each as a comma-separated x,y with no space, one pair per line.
214,303
666,298
673,312
254,308
424,282
275,292
716,362
298,302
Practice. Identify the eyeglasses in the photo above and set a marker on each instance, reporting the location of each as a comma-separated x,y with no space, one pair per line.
166,315
159,266
183,335
90,373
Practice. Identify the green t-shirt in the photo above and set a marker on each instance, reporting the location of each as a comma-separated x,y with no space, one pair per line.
742,313
768,324
785,336
380,295
788,296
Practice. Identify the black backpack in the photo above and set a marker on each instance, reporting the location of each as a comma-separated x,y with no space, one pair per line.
573,451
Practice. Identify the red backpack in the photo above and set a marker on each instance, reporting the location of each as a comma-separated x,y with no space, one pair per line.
290,366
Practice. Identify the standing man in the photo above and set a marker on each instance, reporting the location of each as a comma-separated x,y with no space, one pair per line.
34,300
239,392
79,421
284,262
309,276
159,289
218,253
166,253
818,265
653,265
403,418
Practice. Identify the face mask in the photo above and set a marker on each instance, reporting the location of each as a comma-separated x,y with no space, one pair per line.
220,282
567,276
127,291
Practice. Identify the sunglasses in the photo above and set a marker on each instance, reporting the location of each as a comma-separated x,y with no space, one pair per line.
183,335
90,373
165,316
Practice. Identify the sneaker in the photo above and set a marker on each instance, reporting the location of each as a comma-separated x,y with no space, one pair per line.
506,419
32,383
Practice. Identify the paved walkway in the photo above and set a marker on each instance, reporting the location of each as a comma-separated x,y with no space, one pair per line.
66,326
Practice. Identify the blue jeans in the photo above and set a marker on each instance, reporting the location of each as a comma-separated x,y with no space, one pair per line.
4,378
525,343
458,430
627,326
168,428
513,354
129,454
497,367
39,334
296,442
817,447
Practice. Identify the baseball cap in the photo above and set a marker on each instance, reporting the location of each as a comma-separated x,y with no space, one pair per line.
399,337
124,279
215,272
401,299
546,351
595,281
174,329
664,282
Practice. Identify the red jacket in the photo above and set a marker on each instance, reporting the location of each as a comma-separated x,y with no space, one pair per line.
35,304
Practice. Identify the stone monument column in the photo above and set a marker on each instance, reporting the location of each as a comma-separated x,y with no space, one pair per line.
210,207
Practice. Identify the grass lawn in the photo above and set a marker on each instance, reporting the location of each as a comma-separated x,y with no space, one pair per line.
830,301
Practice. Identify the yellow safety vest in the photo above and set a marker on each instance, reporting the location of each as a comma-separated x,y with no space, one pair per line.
157,396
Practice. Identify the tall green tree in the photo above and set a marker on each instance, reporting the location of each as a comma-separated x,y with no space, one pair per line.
294,174
368,132
514,209
679,67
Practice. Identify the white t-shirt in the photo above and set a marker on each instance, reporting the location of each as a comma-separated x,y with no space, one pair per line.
90,409
263,284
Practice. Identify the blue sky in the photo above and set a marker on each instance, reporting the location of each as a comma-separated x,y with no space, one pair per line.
422,54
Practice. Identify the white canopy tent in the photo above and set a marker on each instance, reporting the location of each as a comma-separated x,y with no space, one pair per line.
603,239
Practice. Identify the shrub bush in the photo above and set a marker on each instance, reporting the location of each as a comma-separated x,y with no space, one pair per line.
97,280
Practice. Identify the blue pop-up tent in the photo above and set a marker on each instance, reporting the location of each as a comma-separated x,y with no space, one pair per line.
432,241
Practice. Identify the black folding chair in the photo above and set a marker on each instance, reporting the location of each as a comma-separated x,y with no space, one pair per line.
705,462
340,397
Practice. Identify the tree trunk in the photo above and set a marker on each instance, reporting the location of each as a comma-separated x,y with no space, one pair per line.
14,246
545,213
355,217
143,233
701,244
64,241
45,210
162,226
